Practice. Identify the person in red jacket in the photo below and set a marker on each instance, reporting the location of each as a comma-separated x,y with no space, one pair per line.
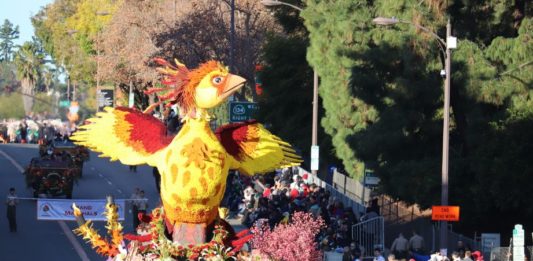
268,191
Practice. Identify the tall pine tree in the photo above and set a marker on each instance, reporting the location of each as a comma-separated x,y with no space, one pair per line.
382,94
8,33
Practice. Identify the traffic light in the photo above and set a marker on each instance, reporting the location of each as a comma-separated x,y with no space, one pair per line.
258,82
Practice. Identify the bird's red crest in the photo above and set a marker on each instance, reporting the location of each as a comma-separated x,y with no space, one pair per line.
180,82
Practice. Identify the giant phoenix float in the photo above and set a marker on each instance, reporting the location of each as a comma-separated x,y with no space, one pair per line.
193,164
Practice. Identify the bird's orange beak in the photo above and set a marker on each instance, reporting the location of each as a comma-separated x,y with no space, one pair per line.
233,84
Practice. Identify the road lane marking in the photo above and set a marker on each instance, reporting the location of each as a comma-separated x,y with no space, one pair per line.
68,233
119,191
19,168
73,240
101,176
92,168
109,182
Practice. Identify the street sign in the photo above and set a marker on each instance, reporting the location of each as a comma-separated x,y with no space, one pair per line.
445,213
518,243
451,42
315,152
370,178
64,103
105,98
242,111
488,242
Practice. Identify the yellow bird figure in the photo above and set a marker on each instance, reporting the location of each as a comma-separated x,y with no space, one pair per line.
195,163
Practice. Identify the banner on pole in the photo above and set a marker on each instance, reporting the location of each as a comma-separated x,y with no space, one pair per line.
61,209
314,157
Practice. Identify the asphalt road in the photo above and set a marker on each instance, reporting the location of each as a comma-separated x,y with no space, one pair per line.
47,240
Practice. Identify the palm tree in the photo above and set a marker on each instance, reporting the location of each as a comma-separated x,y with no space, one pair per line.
29,61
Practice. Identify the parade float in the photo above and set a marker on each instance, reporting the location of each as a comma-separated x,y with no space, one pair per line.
193,164
52,175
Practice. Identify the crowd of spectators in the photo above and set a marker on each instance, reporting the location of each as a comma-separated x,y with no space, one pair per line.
31,131
277,196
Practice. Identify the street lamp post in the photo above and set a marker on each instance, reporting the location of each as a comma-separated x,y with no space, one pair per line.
71,32
97,71
314,128
449,44
98,13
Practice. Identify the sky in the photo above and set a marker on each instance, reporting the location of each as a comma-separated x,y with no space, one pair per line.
19,12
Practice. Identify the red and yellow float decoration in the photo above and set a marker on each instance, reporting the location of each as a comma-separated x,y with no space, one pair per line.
193,164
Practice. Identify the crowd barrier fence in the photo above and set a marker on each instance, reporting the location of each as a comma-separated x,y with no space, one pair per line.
369,234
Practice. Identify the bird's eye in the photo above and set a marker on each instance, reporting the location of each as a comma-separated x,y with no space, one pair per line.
217,80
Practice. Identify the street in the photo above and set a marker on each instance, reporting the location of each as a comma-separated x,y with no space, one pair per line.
49,240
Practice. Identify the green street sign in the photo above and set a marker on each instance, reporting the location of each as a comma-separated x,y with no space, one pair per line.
242,111
370,179
64,103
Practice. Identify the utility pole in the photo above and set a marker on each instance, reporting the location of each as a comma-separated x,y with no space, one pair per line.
314,129
315,150
445,137
97,71
232,38
449,43
74,91
68,87
98,13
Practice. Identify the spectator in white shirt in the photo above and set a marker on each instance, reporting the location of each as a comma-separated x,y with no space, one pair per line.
377,255
248,193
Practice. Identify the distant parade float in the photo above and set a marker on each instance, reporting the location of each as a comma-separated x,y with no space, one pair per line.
194,166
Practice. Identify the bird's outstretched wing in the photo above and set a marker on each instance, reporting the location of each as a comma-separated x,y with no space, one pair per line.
124,134
255,148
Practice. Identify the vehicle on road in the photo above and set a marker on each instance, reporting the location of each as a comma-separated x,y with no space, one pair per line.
54,176
78,154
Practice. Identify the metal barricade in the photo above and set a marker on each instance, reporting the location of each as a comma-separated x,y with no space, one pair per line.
504,253
369,234
500,254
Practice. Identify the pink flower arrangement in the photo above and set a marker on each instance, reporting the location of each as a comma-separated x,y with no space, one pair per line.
289,242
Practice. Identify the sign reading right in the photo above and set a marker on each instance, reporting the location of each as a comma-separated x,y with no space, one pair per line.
242,111
445,213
